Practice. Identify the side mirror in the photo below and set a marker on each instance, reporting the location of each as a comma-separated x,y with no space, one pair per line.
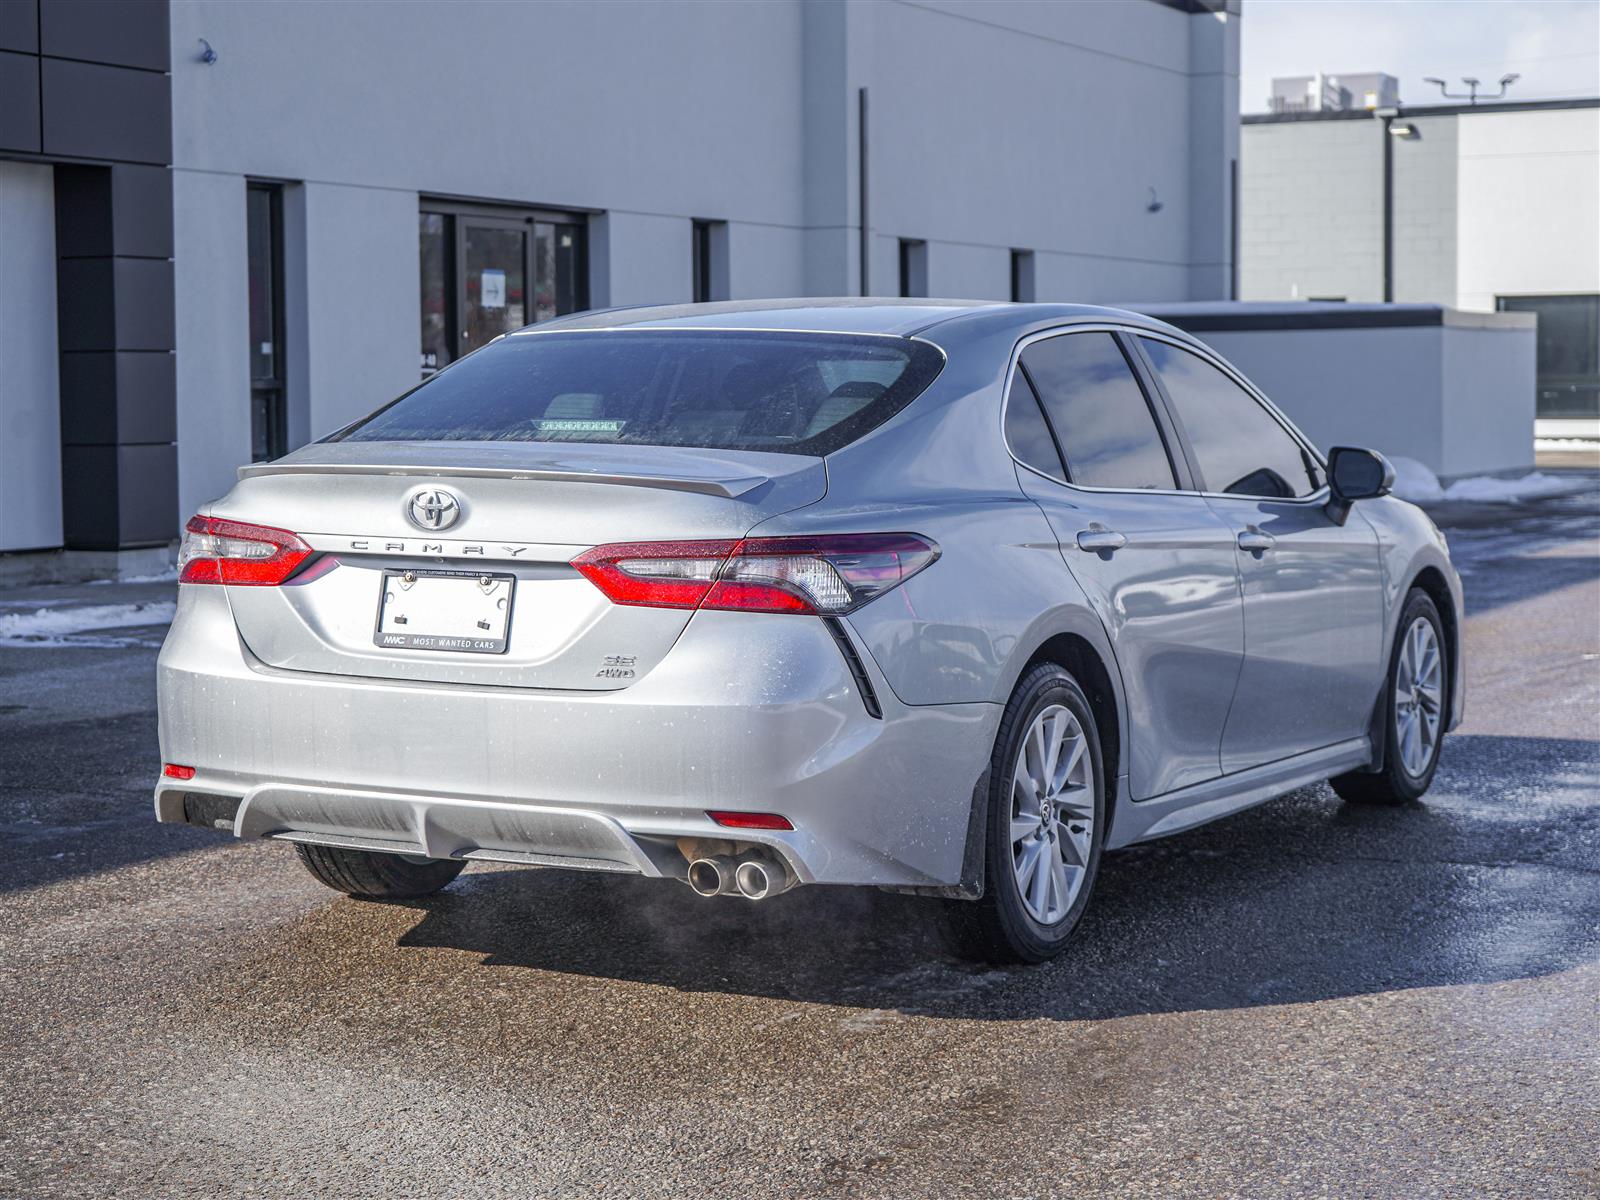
1356,474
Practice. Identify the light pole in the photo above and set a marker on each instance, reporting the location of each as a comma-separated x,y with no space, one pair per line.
1471,94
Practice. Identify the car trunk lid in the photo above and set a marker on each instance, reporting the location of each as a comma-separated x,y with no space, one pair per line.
521,512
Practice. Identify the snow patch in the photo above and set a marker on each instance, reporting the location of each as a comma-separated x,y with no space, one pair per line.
1581,444
1415,482
47,626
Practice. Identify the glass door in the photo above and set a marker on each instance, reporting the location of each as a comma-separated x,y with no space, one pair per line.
494,286
487,271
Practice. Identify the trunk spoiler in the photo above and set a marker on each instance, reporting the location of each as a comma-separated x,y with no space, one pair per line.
730,486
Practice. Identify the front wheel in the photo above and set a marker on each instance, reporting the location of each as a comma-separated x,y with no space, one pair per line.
1417,700
1045,824
370,876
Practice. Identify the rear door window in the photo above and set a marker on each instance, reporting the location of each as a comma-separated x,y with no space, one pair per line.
1101,417
1026,432
1239,446
798,393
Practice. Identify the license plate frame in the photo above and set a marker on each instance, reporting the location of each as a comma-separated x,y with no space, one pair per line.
391,627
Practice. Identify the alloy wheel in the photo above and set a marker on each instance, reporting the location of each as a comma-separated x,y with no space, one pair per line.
1052,814
1418,696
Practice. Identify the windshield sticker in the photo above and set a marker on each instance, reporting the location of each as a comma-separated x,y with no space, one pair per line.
568,425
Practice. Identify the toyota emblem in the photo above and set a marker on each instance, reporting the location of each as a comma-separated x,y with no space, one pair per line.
433,508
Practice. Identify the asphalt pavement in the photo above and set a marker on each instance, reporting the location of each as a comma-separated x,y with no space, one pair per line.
1307,999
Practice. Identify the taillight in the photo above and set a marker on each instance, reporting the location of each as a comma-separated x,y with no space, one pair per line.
824,576
232,552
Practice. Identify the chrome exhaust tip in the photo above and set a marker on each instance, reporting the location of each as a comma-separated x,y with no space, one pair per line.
758,877
712,876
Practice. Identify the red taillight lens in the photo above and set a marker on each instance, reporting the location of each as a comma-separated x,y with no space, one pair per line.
749,820
232,552
174,771
825,576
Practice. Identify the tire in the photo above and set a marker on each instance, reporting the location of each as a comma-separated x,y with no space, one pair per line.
1005,925
1400,781
370,876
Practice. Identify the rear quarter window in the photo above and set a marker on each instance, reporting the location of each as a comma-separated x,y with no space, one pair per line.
796,393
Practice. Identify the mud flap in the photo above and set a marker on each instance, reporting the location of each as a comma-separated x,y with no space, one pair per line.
972,877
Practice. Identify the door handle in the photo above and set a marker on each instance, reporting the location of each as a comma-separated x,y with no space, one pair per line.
1255,541
1100,540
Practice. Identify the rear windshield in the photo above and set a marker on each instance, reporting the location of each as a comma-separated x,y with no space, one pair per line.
799,393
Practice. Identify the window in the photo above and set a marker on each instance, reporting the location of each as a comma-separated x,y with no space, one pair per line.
796,393
1239,446
1022,276
710,272
1568,343
269,425
913,267
487,271
1027,433
1101,418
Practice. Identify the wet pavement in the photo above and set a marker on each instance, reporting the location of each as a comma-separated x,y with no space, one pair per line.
1304,1000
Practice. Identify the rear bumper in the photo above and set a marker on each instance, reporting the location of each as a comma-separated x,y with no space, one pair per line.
747,712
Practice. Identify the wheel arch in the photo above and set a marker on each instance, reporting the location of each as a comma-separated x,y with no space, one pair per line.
1432,581
1085,661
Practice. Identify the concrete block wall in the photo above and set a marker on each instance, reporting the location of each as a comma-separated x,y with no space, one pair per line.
1312,211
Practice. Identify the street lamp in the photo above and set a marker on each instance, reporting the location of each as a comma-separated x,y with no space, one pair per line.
1471,94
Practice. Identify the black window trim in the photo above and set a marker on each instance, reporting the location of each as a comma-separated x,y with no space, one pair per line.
278,384
1165,427
1318,497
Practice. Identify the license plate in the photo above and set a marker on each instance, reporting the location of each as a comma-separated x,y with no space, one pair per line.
464,611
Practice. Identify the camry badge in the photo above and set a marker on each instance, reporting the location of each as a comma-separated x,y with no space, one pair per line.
433,508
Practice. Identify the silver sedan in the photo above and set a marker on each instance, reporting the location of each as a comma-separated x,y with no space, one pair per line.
941,597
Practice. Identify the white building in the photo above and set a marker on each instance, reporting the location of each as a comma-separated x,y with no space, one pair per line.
226,227
1493,207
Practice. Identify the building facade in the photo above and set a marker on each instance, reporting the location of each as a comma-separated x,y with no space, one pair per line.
1493,207
232,227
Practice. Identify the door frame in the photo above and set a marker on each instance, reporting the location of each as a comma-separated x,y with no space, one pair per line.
504,216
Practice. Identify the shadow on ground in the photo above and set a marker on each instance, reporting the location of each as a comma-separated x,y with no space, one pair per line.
1303,899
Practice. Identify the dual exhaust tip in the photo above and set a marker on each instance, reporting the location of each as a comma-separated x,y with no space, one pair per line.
755,876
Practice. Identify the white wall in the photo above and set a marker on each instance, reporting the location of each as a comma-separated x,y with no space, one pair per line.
1456,398
363,302
1529,195
30,397
211,291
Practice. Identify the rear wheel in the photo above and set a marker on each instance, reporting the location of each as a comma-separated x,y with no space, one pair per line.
1417,698
370,876
1045,824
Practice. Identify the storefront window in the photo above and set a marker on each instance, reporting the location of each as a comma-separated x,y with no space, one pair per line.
488,271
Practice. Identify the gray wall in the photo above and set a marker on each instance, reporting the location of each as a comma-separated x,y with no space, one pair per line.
1455,393
1425,213
30,414
1311,210
994,125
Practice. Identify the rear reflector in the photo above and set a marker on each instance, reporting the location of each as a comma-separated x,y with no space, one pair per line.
749,820
825,576
174,771
232,552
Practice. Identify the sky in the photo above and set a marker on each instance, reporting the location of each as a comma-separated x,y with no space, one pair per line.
1553,44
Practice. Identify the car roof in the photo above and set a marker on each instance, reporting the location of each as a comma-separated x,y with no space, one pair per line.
848,314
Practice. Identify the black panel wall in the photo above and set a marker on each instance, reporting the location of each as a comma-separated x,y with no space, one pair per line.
84,85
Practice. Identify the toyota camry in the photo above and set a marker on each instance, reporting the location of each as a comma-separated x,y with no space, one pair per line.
943,597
